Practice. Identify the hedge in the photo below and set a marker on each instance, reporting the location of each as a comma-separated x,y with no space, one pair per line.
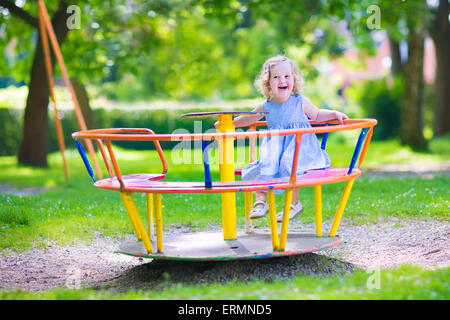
160,121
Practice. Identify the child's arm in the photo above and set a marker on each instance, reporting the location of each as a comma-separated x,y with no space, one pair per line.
320,115
246,120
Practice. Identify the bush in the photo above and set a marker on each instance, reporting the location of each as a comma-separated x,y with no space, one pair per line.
10,131
382,101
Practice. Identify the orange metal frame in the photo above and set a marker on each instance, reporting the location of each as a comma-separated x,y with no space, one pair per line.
144,134
47,32
150,183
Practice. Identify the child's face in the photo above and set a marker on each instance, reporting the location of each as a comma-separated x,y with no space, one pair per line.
281,81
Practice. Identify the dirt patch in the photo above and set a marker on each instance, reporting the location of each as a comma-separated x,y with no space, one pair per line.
384,245
6,188
424,170
388,244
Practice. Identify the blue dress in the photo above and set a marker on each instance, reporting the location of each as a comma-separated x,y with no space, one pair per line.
276,153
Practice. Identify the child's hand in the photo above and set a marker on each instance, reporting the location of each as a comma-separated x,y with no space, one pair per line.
340,117
216,124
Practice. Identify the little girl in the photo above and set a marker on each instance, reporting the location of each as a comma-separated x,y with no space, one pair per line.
281,83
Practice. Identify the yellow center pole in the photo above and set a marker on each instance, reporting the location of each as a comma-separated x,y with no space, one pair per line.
226,168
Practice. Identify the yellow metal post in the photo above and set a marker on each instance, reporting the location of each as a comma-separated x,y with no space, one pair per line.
340,210
126,200
273,219
318,198
136,220
285,222
158,221
226,167
248,207
150,214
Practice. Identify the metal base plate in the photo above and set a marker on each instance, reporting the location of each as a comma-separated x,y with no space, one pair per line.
206,246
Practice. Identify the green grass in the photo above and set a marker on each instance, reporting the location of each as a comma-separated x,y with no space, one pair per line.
402,283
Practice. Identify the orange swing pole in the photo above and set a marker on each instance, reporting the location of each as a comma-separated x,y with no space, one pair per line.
59,58
48,65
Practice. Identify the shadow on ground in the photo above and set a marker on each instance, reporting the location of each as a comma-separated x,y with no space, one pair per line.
160,274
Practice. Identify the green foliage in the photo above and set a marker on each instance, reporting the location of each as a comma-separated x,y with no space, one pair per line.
183,49
10,131
382,101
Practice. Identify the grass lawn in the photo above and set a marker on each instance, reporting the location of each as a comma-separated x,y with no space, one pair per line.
75,211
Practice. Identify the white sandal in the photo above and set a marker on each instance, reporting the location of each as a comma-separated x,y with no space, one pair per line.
257,213
296,209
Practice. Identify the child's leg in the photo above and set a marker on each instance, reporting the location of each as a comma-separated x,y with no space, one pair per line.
295,193
260,196
296,207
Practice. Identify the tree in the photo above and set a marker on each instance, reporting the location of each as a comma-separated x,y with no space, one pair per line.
440,33
412,26
197,48
34,147
407,21
411,117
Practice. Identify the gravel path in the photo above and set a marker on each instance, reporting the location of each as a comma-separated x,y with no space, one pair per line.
385,244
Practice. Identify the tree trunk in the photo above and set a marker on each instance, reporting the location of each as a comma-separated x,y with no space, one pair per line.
34,148
396,66
83,101
440,33
411,124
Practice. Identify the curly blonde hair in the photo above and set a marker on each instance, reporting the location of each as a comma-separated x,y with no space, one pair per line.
262,81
